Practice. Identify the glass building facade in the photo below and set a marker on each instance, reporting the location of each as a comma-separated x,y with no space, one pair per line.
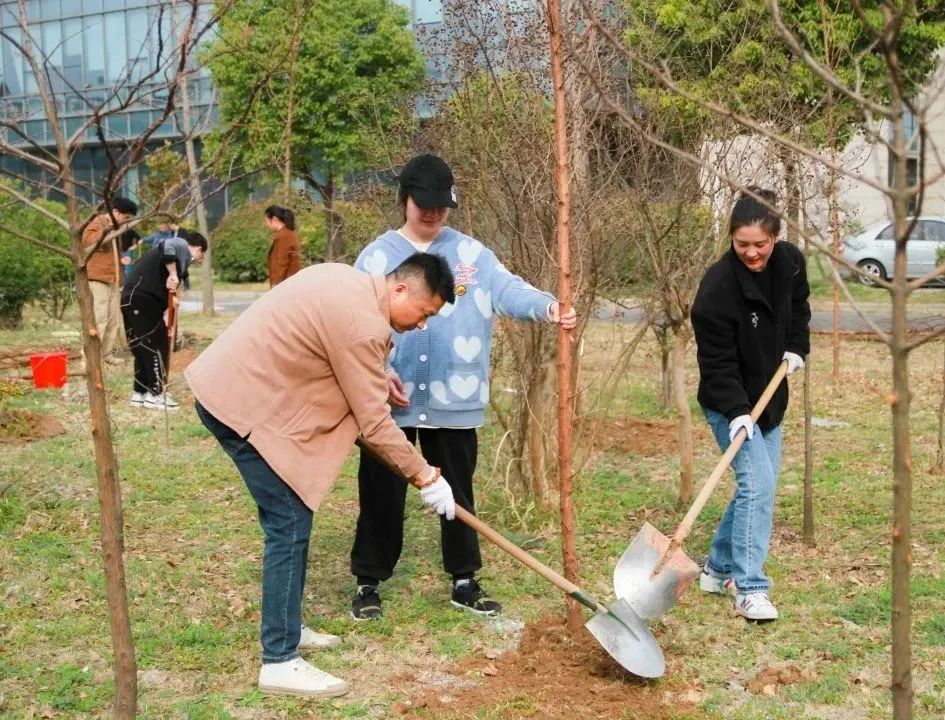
95,50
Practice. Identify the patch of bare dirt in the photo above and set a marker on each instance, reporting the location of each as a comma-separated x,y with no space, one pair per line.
770,679
19,425
640,437
183,357
551,675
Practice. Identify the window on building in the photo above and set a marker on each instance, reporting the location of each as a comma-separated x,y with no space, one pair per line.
94,33
116,54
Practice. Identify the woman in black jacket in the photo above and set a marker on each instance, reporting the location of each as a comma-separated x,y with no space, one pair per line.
751,313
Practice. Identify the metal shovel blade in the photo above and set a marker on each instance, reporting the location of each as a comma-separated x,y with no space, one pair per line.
627,639
652,595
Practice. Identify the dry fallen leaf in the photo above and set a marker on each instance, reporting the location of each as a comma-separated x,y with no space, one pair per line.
490,670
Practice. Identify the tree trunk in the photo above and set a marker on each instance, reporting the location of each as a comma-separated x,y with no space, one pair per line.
808,522
681,398
901,402
328,197
792,188
562,231
109,502
939,468
196,190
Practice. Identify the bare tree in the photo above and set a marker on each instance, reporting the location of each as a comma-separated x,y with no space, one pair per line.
884,116
154,83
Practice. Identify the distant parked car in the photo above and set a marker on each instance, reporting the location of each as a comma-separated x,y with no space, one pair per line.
873,249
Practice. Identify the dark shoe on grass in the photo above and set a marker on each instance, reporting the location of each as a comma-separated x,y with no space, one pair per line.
366,604
468,595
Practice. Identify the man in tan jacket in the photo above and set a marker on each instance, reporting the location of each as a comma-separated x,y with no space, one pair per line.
286,389
105,273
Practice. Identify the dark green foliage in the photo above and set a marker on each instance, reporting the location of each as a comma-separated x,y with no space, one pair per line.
28,272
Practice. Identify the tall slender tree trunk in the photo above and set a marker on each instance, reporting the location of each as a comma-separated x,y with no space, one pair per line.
939,468
109,502
193,170
901,534
563,233
681,398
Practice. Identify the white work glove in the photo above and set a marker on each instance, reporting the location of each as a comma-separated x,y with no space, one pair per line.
439,496
742,421
794,362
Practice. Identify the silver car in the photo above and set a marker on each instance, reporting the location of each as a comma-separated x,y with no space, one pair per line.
873,249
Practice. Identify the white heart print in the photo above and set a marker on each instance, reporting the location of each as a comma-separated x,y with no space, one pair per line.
468,251
483,302
376,263
464,387
438,391
467,348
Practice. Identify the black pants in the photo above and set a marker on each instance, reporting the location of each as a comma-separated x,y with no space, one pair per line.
379,536
147,340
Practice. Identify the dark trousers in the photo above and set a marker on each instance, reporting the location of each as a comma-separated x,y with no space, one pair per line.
147,339
286,523
379,536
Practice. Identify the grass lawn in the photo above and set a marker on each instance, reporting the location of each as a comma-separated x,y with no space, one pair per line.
193,561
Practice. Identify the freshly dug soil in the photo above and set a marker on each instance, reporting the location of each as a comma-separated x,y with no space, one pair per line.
551,675
18,425
647,438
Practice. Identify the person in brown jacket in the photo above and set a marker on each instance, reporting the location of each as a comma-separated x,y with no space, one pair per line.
286,389
105,274
285,253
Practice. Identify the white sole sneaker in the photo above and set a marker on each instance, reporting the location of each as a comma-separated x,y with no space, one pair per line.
311,640
756,607
715,585
297,677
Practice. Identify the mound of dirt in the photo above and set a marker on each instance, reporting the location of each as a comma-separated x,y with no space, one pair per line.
639,437
564,678
18,425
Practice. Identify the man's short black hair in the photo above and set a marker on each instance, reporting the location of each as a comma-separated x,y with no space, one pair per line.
432,269
193,238
124,205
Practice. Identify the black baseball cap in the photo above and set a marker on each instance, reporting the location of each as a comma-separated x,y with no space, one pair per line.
429,181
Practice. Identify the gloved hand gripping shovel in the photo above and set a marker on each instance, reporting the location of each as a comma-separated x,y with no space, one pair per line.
616,627
654,571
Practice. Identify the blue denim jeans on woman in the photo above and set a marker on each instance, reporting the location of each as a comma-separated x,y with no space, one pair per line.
741,541
287,525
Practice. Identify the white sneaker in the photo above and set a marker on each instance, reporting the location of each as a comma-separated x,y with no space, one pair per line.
755,606
297,677
137,399
312,640
717,586
163,401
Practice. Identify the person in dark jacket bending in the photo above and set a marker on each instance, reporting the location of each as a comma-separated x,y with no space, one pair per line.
751,312
144,298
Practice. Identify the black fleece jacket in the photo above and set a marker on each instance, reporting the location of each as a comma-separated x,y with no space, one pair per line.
741,339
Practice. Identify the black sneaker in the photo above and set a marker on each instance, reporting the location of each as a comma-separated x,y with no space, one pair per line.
469,596
366,604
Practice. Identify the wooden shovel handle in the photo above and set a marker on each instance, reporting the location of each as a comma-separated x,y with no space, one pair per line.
502,542
684,528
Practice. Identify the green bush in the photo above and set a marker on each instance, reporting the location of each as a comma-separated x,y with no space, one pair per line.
241,240
29,272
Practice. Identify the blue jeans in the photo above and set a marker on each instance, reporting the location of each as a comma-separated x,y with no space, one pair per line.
287,525
741,541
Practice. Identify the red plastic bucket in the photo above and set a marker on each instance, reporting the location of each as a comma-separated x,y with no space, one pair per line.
49,369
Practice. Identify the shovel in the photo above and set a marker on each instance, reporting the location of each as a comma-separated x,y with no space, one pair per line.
654,571
621,632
